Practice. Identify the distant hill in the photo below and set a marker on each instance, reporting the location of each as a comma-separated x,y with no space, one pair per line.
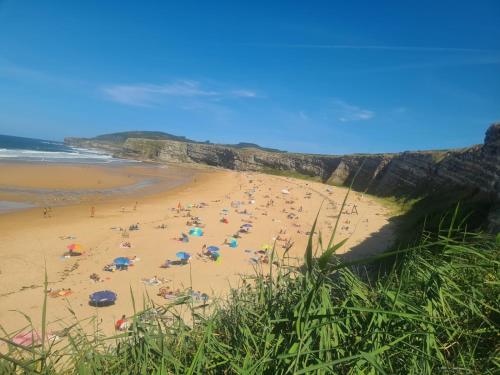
121,137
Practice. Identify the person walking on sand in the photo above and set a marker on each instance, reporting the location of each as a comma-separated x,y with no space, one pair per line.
135,206
45,212
92,211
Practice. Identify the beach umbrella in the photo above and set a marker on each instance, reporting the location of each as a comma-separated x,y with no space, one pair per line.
122,261
213,249
196,232
102,298
266,247
233,243
74,246
284,191
183,255
247,226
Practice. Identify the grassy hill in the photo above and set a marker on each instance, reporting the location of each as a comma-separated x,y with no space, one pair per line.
121,137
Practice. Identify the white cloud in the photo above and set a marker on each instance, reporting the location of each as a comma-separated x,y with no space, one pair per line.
244,93
154,94
346,112
303,116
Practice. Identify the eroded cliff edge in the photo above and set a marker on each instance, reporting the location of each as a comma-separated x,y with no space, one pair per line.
406,174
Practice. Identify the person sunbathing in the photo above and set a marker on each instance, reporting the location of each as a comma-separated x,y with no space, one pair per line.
121,324
166,264
167,293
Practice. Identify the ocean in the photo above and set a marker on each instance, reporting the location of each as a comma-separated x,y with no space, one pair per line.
30,149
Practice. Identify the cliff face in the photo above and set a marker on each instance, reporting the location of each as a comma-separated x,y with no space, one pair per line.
403,174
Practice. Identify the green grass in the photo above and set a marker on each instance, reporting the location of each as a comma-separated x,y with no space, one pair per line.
397,206
291,174
435,312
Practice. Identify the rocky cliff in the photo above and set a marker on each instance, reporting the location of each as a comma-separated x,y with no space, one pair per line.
407,174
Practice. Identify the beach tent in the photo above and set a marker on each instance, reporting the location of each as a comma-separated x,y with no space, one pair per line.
122,261
233,243
213,249
183,255
102,298
196,232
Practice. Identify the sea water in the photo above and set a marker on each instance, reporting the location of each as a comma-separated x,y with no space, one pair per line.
39,150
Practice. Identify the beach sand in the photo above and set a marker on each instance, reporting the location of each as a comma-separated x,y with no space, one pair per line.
31,243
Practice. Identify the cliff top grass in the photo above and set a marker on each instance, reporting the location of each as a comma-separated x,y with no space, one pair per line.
291,174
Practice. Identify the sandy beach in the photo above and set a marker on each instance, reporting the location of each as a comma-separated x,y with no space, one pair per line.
280,211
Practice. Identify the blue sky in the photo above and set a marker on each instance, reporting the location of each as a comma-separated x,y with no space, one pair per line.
316,76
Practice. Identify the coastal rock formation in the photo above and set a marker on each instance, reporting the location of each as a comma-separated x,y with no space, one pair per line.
408,174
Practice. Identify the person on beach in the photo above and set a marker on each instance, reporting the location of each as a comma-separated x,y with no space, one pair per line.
135,206
45,212
92,211
121,324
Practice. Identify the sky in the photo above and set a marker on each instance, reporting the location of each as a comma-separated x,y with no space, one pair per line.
328,77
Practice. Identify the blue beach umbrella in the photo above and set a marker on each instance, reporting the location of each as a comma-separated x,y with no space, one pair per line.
247,226
213,249
233,243
122,261
183,255
197,232
102,298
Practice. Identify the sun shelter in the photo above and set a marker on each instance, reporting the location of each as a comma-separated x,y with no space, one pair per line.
121,263
246,226
182,255
213,249
285,191
102,298
233,243
196,232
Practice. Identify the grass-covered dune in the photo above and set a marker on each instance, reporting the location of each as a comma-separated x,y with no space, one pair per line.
436,311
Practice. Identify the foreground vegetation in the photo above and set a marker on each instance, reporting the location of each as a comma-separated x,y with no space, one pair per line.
435,311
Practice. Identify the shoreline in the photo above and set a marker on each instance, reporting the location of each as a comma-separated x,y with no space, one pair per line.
27,185
29,242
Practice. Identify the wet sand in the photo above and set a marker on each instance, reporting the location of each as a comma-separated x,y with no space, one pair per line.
29,243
